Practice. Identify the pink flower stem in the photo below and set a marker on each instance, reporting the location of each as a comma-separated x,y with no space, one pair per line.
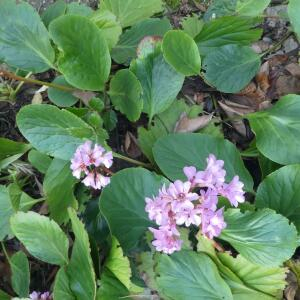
133,161
218,246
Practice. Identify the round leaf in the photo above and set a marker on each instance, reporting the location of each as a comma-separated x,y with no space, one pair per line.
42,237
281,192
293,13
24,40
122,203
230,68
85,62
59,97
53,131
251,8
175,151
190,275
181,52
262,237
277,130
125,93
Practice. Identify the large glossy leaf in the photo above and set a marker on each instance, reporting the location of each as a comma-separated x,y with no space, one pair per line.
54,11
110,27
122,203
192,25
53,131
20,277
175,151
24,40
61,289
85,61
293,13
125,50
230,68
281,192
125,94
181,52
80,269
252,281
129,12
6,211
48,243
227,30
262,237
111,288
39,160
190,275
220,8
11,151
160,82
59,97
58,187
118,264
251,8
246,280
277,130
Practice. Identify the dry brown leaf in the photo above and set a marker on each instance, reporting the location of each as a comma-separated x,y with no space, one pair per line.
37,98
286,84
293,69
85,96
262,77
131,145
186,124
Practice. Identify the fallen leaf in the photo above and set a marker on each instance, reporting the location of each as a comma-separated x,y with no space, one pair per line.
262,77
85,96
131,145
186,124
293,69
37,98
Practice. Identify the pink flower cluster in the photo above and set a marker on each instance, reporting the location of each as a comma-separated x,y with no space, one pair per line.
40,296
92,162
193,202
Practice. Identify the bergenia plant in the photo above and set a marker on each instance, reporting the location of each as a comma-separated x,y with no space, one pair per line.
149,149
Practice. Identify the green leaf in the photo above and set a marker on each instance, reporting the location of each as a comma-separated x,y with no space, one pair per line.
160,82
267,166
39,160
230,68
227,30
220,8
146,268
125,50
175,151
262,237
61,288
164,123
192,25
20,277
122,203
24,40
293,13
53,131
181,52
85,60
59,97
4,296
280,191
111,288
54,11
58,187
110,27
252,8
79,9
80,269
125,94
11,151
195,275
118,264
251,281
277,130
48,243
129,12
6,211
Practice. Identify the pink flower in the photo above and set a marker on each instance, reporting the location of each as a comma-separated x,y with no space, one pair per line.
189,217
214,174
89,161
212,222
38,296
166,239
233,191
209,199
96,180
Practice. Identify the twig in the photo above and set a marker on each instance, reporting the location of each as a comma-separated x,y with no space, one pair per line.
4,73
133,161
